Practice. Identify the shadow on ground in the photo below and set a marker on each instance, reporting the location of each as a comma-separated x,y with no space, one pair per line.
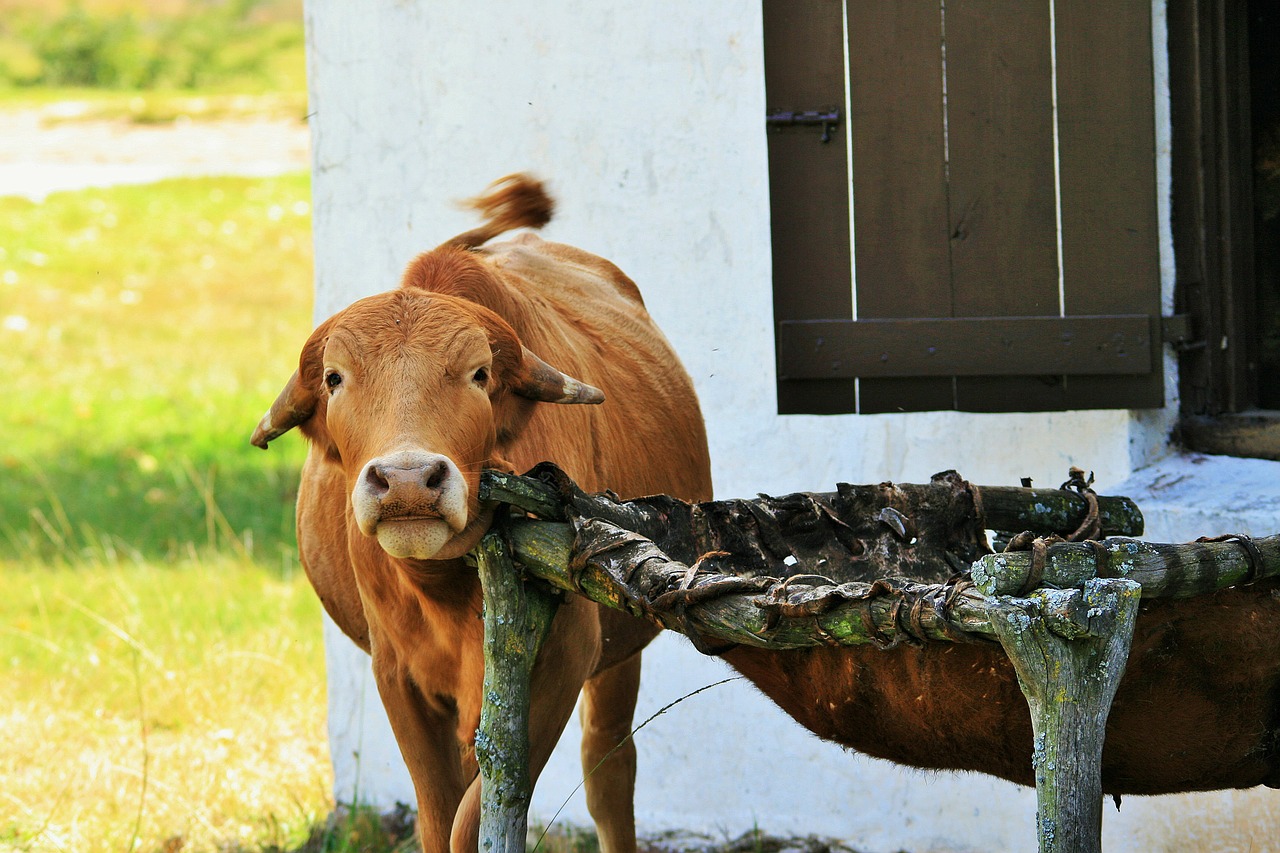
365,831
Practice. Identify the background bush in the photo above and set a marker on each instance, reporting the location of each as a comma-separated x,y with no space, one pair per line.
242,45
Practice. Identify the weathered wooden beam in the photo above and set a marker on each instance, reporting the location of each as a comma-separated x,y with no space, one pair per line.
527,493
1165,571
1255,434
1060,511
633,576
629,573
1069,685
1005,508
517,618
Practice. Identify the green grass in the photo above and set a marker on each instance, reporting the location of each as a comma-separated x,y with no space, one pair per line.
143,331
153,61
159,648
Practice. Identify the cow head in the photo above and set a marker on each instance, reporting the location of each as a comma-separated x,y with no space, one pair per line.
412,392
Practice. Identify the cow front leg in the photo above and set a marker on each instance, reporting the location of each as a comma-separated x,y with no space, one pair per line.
609,754
428,742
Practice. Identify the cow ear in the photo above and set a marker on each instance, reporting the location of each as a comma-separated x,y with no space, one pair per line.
537,380
297,402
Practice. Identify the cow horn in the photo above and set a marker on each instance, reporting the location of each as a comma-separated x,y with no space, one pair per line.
294,405
540,381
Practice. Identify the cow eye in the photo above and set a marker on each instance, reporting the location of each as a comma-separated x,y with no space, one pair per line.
481,376
333,379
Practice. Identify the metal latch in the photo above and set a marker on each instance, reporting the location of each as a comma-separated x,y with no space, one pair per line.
828,120
1176,330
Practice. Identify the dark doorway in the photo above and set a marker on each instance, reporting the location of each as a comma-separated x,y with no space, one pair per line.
1264,97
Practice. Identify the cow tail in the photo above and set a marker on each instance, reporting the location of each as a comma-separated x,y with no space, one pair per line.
516,201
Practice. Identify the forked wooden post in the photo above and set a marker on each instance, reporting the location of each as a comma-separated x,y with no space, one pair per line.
517,618
1069,671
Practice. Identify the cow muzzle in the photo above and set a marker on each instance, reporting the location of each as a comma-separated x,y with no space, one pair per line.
412,501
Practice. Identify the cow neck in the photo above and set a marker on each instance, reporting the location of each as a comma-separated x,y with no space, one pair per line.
447,582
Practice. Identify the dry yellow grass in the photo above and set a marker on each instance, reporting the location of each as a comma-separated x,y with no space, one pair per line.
160,708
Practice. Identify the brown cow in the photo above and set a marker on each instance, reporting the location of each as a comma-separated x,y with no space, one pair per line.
404,397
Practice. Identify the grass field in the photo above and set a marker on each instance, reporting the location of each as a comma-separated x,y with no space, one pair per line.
160,650
236,46
158,705
143,330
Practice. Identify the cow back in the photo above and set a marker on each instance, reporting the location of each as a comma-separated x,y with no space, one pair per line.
582,314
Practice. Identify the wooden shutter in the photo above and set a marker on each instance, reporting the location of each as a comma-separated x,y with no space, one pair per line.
1004,251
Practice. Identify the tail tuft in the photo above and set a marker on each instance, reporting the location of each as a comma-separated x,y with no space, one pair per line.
516,201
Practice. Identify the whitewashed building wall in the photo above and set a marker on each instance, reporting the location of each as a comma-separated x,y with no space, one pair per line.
647,120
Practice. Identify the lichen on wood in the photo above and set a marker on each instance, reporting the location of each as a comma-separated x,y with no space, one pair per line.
1069,685
1059,511
517,619
627,572
1164,571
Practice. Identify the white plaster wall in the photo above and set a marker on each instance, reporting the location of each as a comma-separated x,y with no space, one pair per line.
648,121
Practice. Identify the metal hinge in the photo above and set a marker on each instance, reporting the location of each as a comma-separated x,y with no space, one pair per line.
828,120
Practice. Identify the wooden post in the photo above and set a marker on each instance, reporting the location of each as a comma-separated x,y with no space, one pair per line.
517,618
1069,684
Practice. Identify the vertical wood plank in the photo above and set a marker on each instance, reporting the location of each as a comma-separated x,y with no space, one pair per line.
808,185
1106,129
1003,205
956,209
1238,292
899,181
1264,87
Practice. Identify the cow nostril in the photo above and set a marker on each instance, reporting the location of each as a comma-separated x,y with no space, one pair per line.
378,484
436,474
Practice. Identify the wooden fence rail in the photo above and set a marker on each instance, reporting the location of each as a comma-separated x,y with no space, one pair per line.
1072,605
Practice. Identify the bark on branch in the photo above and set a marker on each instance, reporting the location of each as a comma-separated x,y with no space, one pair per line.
1165,571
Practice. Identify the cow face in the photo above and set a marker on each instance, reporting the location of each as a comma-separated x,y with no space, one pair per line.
409,392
